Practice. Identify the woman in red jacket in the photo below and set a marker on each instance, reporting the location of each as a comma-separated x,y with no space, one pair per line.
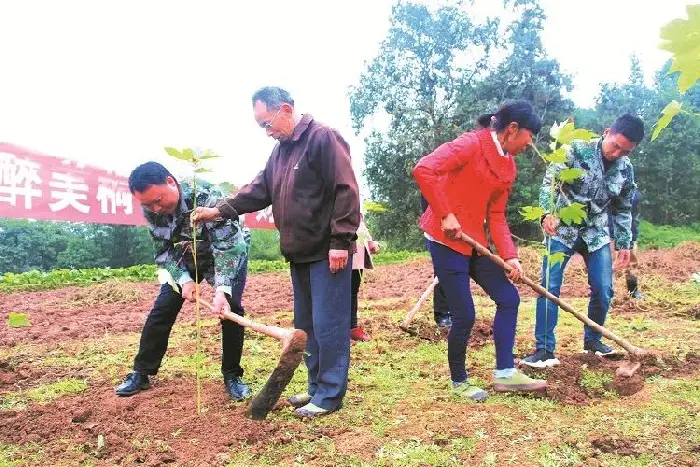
467,183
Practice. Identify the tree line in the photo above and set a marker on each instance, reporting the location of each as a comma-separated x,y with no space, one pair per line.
27,245
436,71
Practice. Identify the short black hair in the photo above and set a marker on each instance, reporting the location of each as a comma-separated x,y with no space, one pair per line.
630,126
520,112
145,175
273,97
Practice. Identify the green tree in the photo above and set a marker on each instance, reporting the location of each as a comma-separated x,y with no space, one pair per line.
80,253
667,168
432,77
415,80
681,38
526,73
27,245
265,244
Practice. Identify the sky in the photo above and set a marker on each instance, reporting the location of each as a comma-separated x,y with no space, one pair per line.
112,83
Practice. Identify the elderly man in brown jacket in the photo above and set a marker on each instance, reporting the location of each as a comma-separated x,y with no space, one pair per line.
311,186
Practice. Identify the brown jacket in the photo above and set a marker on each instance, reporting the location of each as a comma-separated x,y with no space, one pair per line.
312,188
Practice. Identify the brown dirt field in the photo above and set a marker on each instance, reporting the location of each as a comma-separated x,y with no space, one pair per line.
165,416
16,376
61,314
565,379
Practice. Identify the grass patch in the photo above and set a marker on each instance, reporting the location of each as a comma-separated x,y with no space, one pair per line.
414,452
20,456
596,383
42,394
666,236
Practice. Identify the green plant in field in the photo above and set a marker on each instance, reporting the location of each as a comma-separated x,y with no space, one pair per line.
666,236
195,159
37,280
42,394
595,382
563,135
681,38
18,320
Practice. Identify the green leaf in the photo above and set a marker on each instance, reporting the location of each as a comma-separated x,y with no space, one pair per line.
682,38
579,133
556,129
372,206
18,320
202,170
190,155
573,214
164,277
570,175
565,133
208,154
557,157
555,258
172,152
671,110
532,213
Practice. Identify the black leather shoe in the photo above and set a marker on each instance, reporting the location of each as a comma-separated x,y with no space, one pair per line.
237,388
444,321
133,383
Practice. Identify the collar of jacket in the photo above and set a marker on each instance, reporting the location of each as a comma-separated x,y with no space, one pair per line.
183,208
301,127
617,163
503,167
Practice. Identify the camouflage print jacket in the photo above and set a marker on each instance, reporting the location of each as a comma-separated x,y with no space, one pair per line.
602,193
222,246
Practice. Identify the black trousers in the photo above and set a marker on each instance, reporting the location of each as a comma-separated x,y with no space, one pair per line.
354,289
440,306
156,331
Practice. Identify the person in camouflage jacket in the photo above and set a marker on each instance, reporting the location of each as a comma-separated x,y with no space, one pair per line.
222,260
605,189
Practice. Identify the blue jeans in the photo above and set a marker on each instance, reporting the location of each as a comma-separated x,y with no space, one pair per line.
322,309
600,274
454,270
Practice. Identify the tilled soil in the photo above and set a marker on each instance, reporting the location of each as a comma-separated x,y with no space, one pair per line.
566,385
58,314
163,416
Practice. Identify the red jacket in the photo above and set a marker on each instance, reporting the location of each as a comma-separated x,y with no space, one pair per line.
469,178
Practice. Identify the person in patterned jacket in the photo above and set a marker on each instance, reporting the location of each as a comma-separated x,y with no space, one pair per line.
605,189
222,260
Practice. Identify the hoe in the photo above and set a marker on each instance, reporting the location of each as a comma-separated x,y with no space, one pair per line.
293,345
627,369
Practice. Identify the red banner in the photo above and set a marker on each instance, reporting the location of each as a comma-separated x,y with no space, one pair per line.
37,186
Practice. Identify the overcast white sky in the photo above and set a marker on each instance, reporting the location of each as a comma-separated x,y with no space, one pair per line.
112,83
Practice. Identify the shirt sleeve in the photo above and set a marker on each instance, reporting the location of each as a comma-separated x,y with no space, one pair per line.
253,197
621,207
339,178
431,168
167,256
498,226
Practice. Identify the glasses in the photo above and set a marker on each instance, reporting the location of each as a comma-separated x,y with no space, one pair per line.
268,125
153,205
